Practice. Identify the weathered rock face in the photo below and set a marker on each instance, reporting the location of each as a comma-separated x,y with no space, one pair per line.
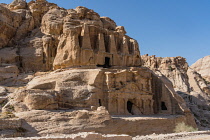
21,45
9,22
96,41
57,59
123,92
18,4
174,68
46,122
186,82
202,66
74,37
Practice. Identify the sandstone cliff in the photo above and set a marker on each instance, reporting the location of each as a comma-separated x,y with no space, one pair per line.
78,71
202,66
187,82
40,36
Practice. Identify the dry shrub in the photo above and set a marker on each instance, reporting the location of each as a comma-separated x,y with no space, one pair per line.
182,127
6,115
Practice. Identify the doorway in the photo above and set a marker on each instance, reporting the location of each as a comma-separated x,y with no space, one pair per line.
107,62
129,107
99,102
163,106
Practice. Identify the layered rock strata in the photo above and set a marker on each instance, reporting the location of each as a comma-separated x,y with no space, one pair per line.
186,81
43,36
202,66
80,68
133,91
118,92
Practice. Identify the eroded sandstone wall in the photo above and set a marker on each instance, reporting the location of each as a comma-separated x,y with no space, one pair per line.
133,91
202,66
186,81
43,36
57,59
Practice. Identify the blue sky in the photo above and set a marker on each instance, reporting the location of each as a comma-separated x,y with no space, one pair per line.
165,28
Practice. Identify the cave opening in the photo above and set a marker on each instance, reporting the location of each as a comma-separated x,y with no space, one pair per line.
163,106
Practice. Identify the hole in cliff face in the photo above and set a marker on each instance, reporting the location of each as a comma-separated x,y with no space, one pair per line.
107,62
99,102
129,107
163,106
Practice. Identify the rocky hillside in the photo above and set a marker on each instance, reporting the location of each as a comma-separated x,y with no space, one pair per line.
40,36
202,66
74,70
186,81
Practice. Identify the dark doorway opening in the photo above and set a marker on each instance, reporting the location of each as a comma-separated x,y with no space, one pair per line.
107,62
163,106
99,102
129,107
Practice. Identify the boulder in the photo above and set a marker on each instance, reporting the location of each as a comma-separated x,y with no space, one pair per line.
3,91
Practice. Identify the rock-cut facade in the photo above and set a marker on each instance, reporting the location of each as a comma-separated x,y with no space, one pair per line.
73,59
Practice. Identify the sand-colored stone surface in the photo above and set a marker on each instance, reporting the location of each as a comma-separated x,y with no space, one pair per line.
65,71
202,66
186,81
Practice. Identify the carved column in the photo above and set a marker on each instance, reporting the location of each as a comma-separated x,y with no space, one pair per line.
121,106
140,104
125,51
150,84
151,106
112,105
136,57
144,106
125,106
102,50
86,52
110,80
113,50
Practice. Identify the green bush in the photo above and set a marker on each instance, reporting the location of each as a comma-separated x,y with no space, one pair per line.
182,127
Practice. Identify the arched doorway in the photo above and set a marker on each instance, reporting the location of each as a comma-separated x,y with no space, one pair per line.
129,107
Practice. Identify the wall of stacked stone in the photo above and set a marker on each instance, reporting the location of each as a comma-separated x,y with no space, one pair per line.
10,123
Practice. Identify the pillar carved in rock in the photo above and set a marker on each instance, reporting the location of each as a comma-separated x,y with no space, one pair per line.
87,54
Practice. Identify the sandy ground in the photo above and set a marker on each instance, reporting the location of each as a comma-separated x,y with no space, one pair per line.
199,135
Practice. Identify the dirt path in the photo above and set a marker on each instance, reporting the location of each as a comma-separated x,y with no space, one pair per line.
199,135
